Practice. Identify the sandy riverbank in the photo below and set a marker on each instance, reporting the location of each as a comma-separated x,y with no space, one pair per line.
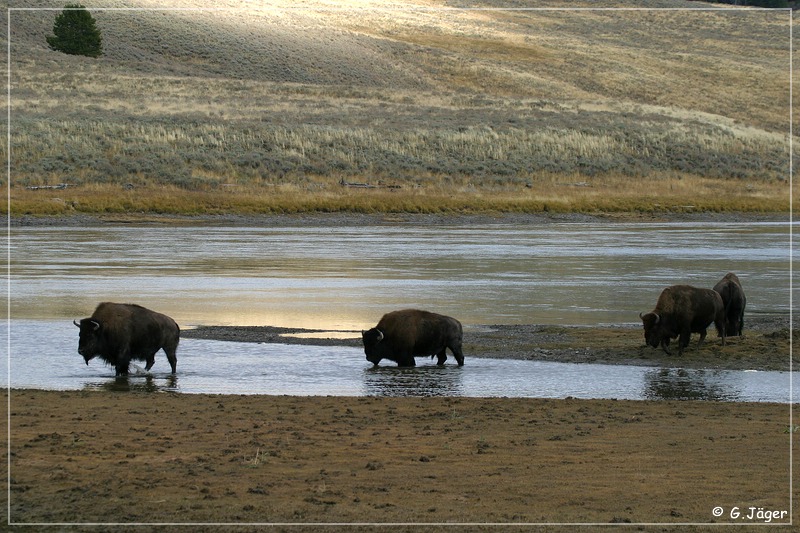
80,457
764,346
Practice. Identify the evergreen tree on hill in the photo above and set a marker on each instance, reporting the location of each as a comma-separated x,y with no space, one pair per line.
75,33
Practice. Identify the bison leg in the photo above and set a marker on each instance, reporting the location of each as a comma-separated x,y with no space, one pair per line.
665,346
459,355
683,340
721,330
123,363
173,360
441,356
702,338
150,361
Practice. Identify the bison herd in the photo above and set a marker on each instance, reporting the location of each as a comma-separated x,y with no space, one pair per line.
120,333
682,310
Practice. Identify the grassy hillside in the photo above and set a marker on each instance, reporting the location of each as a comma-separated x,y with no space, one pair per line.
278,108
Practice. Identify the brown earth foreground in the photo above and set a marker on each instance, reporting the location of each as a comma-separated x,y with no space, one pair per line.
113,457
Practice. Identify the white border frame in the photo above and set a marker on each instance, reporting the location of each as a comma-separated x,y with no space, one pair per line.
10,10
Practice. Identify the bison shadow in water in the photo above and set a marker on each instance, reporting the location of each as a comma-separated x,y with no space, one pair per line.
147,383
681,384
402,335
427,381
734,301
680,311
119,333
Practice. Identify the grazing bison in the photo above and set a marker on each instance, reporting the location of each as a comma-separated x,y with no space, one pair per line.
680,311
402,335
118,333
734,300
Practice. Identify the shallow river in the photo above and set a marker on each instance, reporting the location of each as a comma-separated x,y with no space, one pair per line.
345,278
248,368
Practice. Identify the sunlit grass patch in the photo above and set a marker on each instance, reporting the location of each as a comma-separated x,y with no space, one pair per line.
539,194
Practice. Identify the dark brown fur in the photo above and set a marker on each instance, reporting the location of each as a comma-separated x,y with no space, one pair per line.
402,335
734,300
680,311
118,333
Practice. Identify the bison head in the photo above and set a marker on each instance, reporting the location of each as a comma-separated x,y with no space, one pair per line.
655,331
372,339
89,339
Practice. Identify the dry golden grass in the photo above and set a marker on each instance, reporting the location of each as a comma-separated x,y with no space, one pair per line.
551,193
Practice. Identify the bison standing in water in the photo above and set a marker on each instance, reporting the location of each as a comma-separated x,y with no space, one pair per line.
734,300
680,311
118,333
402,335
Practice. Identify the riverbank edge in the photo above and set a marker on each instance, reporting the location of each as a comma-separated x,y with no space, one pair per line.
345,218
765,346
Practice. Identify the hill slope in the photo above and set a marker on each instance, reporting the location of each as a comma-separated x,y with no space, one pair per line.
411,93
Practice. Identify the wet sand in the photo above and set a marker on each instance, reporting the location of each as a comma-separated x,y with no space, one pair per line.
103,457
765,344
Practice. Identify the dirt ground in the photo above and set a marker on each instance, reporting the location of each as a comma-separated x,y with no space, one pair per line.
84,457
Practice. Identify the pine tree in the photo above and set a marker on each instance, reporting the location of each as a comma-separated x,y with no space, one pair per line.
76,33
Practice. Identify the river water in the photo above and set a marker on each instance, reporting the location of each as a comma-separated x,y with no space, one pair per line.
346,277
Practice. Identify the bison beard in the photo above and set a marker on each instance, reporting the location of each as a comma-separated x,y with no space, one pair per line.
402,335
119,333
680,311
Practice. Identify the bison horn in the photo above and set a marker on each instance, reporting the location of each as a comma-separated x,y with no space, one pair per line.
78,325
380,335
658,318
96,324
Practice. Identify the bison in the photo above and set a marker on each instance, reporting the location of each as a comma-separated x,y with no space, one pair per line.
118,333
402,335
680,311
734,300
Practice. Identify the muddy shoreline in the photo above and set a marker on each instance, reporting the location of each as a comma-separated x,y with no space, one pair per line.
360,219
764,346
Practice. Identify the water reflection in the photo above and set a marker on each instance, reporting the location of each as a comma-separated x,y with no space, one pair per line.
416,381
338,278
146,383
716,385
682,384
